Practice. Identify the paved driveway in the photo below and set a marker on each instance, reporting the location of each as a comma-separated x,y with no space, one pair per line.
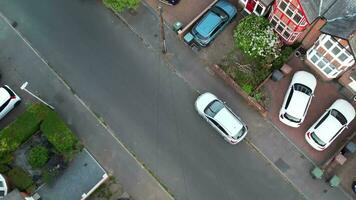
325,94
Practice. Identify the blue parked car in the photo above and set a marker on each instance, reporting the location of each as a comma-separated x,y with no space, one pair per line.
213,22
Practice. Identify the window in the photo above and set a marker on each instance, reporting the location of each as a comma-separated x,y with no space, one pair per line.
317,139
335,50
314,58
286,34
297,17
259,9
343,56
213,108
328,44
283,5
273,22
340,117
302,88
280,27
289,98
321,63
289,13
291,118
322,119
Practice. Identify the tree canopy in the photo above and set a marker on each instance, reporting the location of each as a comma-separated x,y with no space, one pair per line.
255,38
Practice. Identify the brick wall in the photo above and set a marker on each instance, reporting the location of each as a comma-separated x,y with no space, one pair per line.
311,34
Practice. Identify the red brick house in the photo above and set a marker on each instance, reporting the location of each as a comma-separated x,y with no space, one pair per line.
288,19
257,7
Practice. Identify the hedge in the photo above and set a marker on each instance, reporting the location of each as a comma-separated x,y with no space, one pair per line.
20,178
59,135
12,136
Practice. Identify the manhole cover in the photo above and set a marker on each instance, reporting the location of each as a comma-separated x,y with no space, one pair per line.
283,166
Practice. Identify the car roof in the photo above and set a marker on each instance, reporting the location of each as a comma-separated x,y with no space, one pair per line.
4,96
345,108
208,24
297,104
328,128
229,121
304,78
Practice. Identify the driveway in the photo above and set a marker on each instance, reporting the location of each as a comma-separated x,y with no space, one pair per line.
325,94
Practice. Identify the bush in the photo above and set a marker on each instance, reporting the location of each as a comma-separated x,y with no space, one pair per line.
12,136
120,5
38,156
21,179
59,135
286,52
255,38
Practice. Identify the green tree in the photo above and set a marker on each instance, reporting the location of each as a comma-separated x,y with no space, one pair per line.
121,5
38,156
255,38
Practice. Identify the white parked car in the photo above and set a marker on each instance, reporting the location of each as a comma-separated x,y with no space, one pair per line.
216,113
3,187
297,99
330,124
8,100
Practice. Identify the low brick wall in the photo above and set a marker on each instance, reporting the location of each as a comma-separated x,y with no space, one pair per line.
238,89
187,28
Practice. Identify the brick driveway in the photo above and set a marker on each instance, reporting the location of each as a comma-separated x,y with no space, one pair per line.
326,93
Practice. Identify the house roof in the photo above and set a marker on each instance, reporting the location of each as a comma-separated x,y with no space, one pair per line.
267,2
340,17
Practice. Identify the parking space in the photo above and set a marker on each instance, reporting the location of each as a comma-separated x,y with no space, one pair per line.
325,94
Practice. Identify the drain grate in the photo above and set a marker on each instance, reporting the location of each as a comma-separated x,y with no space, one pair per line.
283,166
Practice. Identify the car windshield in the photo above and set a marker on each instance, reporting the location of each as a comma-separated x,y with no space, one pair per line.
240,133
291,118
340,117
302,88
317,140
213,108
220,13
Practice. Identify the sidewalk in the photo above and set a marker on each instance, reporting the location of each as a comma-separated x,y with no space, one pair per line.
18,61
263,136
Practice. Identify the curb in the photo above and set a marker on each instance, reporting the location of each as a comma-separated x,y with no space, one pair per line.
229,81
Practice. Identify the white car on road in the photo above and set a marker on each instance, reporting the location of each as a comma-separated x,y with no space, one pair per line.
218,115
8,100
297,99
330,125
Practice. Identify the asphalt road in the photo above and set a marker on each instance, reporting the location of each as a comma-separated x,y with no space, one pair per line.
150,108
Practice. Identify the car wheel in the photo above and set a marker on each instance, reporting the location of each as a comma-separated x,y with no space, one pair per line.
17,103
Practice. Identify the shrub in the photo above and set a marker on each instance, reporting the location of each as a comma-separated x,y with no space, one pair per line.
247,88
255,38
59,135
38,156
20,178
286,52
120,5
12,136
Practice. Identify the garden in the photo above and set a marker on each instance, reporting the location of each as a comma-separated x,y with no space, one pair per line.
35,148
258,51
